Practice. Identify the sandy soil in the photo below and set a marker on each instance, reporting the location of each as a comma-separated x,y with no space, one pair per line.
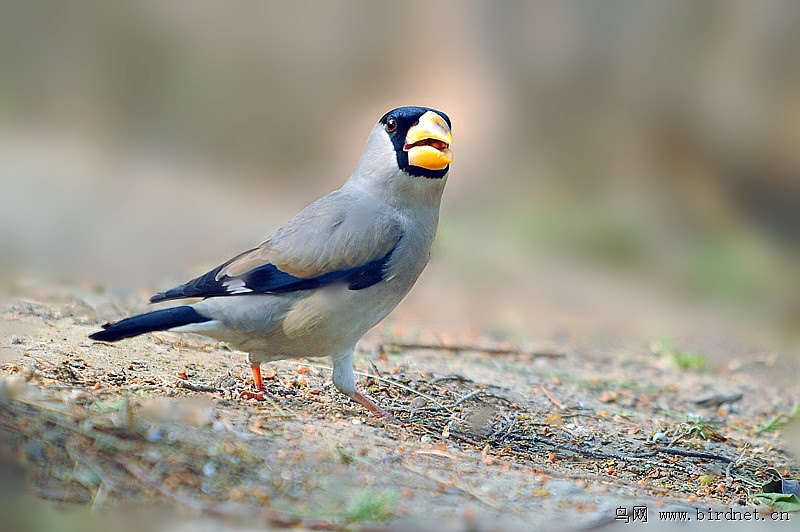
490,435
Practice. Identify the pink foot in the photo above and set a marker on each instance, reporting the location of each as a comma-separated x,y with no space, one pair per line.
258,395
372,407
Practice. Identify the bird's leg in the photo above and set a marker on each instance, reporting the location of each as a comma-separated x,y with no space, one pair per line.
261,391
345,382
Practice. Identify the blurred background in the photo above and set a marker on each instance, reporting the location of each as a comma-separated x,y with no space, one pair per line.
621,167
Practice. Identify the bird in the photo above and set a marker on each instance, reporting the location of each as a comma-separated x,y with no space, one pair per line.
333,271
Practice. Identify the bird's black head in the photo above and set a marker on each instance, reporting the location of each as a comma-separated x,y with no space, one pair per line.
421,138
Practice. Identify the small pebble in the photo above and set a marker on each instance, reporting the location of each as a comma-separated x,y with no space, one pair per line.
210,469
34,452
418,402
16,340
154,434
660,437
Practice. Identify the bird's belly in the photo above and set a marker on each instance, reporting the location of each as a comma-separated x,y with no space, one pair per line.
330,321
327,321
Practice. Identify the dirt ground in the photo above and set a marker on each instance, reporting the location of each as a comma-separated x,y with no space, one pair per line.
490,435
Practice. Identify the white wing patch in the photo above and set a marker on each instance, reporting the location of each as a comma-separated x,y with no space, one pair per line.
236,286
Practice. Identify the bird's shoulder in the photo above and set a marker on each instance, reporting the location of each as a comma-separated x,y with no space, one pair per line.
339,231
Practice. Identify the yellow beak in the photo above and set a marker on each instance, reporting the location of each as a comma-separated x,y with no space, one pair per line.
428,143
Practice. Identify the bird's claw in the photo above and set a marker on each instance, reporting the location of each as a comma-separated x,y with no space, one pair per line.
259,395
386,416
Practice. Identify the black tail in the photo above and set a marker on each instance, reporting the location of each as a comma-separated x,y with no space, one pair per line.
159,320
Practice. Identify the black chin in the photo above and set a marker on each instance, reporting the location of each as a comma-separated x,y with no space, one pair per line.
418,171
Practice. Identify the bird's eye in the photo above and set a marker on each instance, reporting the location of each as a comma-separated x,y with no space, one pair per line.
391,124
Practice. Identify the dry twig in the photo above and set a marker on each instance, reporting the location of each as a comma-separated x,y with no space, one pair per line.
553,400
457,348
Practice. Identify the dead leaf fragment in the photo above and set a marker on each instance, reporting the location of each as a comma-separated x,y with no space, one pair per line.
554,420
